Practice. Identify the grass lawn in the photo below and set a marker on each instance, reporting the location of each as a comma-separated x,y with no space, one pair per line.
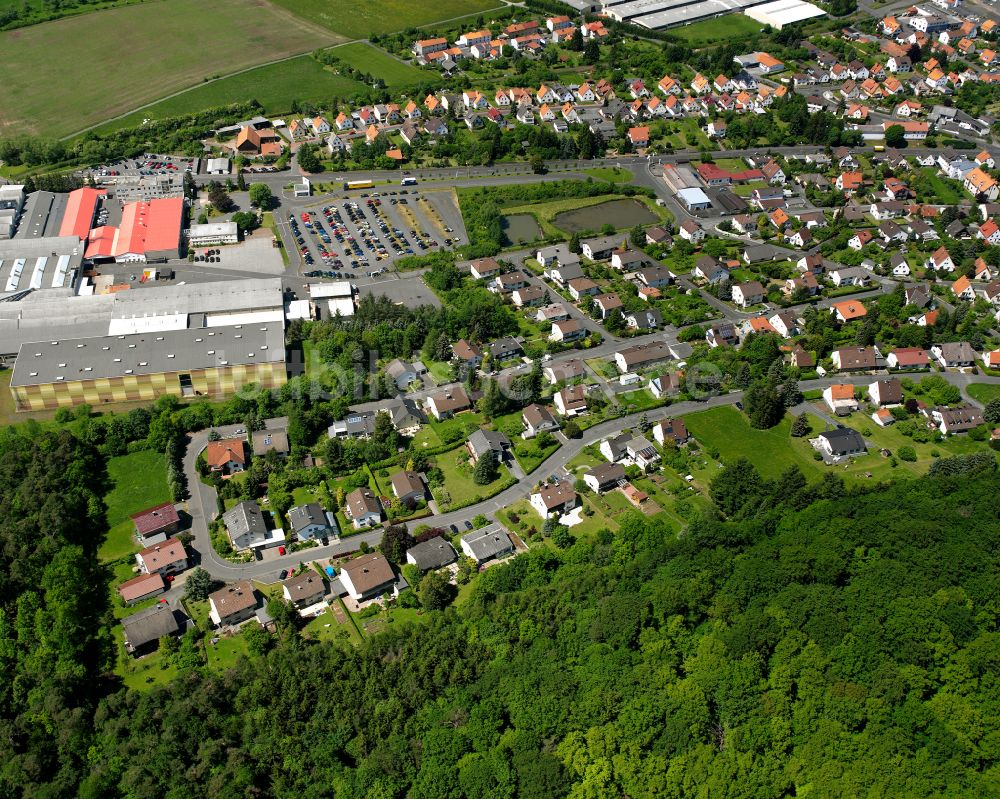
273,86
530,456
717,29
378,63
640,400
359,20
459,485
124,57
771,451
945,191
441,372
146,672
611,174
140,482
983,392
458,427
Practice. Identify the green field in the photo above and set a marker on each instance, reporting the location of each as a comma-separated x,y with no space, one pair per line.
379,64
707,31
983,392
274,86
360,20
139,481
62,76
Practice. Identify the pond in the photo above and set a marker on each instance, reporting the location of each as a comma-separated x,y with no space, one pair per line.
619,213
520,229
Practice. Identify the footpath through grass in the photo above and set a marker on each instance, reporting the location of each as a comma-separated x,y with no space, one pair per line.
81,70
139,481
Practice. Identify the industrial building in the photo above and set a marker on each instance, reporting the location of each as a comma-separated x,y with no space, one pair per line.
783,12
38,263
664,13
195,362
143,188
213,233
11,203
60,313
149,231
80,212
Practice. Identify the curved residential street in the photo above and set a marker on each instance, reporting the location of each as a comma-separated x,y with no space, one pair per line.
203,506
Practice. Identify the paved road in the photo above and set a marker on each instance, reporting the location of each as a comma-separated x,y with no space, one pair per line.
203,509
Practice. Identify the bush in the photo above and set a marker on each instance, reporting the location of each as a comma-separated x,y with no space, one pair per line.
906,453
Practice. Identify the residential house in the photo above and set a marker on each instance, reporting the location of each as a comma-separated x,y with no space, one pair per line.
886,392
488,443
567,330
855,359
367,577
641,452
571,400
671,430
665,385
644,320
247,528
722,334
842,442
446,403
141,588
962,289
434,553
233,604
487,544
504,348
604,477
304,589
467,353
537,419
408,487
156,523
940,261
691,231
641,355
583,287
485,268
908,358
403,374
747,294
309,521
143,630
848,310
608,304
169,557
265,441
227,455
362,508
956,420
553,499
954,355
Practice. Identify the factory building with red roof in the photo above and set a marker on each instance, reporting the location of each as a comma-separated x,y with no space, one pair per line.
148,231
81,207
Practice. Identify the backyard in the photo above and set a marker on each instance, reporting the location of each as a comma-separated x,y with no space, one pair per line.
459,489
139,481
109,57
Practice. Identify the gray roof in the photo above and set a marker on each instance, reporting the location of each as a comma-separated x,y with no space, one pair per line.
304,516
149,625
488,542
245,518
483,441
843,440
607,472
432,553
148,353
266,440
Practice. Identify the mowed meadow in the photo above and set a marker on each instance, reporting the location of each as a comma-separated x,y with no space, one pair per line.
60,77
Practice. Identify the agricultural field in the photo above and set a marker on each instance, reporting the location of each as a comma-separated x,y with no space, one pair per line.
124,57
378,63
360,20
274,86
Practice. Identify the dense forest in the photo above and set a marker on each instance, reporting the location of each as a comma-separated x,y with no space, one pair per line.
800,640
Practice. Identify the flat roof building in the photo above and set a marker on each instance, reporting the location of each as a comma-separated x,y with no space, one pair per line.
213,233
783,12
149,231
186,363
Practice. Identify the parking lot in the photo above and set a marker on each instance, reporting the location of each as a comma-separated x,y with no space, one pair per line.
148,164
363,236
